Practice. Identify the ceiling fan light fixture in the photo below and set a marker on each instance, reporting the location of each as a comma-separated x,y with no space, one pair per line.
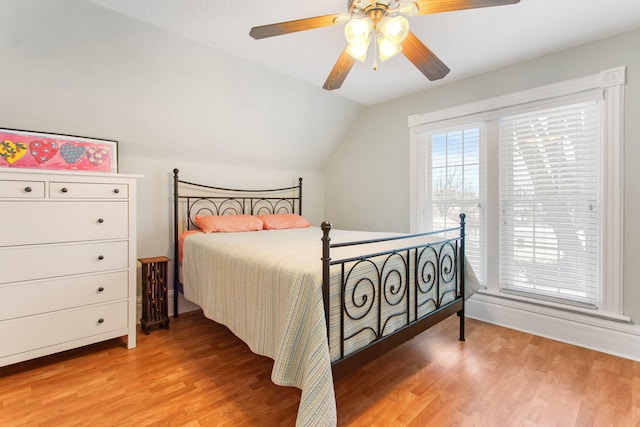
384,20
359,51
387,49
358,30
394,29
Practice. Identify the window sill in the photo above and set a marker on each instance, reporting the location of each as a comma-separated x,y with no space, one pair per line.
550,308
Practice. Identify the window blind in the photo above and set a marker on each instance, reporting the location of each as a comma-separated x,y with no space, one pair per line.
550,207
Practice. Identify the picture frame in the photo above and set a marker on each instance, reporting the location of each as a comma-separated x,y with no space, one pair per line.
52,151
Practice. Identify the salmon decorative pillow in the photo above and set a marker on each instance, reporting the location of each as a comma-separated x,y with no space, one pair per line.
283,221
227,223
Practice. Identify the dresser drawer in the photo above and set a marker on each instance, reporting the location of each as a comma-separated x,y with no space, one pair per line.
21,189
87,190
36,222
51,295
41,262
34,332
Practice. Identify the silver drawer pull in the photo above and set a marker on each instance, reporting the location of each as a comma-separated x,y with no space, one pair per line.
100,258
101,320
100,289
64,189
28,189
100,220
117,190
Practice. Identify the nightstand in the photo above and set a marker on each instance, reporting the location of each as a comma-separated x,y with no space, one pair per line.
155,306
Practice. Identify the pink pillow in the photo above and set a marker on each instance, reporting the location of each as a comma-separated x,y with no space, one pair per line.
283,221
227,223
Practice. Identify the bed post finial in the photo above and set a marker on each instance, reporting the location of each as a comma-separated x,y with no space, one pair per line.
326,258
300,196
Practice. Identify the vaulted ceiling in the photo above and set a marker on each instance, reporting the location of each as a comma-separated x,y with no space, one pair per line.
470,42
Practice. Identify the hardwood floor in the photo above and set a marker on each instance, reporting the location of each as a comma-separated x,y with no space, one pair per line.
198,374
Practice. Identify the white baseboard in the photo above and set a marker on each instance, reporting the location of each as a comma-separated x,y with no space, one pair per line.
607,336
611,337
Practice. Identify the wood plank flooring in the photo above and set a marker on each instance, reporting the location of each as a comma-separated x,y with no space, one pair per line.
199,374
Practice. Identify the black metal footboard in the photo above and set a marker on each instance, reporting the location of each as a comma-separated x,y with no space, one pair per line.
379,299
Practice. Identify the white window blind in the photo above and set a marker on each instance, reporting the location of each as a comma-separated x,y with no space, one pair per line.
454,183
550,207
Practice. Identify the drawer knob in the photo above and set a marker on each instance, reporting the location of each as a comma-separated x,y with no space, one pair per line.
117,190
100,220
100,258
64,189
28,189
100,289
101,320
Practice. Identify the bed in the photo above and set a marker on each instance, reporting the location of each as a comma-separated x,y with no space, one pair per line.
320,302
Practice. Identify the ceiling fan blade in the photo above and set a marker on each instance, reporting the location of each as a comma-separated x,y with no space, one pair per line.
438,6
422,57
281,28
339,71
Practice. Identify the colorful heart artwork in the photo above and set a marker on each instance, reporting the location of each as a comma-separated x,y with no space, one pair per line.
72,153
12,151
42,151
97,155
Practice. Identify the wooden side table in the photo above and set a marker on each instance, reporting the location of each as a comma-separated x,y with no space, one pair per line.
155,304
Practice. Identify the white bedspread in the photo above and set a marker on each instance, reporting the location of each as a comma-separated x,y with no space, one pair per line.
272,300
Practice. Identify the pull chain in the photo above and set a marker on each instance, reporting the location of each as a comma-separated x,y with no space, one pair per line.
375,51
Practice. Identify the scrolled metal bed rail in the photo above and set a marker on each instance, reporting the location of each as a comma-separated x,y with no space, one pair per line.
418,283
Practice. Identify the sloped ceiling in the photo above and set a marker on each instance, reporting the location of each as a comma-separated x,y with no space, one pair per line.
73,67
469,42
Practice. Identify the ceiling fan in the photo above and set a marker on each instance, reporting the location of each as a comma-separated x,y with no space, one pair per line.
384,21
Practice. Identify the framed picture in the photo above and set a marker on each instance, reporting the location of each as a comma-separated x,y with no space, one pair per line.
36,150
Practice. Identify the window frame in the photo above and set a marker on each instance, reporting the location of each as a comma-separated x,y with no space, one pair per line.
609,85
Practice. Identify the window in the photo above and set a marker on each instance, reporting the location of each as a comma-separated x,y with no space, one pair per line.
539,175
453,182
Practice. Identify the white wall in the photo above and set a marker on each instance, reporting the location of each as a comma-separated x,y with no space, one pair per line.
72,67
374,159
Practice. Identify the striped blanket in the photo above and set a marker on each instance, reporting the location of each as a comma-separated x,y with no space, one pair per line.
266,287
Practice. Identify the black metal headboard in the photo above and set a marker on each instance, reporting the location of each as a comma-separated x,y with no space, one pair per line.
191,199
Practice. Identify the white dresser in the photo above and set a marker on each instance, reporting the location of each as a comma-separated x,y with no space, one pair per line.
67,261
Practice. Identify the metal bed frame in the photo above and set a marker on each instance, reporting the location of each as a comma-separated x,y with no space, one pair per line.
433,268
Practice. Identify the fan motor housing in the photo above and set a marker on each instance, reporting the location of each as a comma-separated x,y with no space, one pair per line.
368,6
